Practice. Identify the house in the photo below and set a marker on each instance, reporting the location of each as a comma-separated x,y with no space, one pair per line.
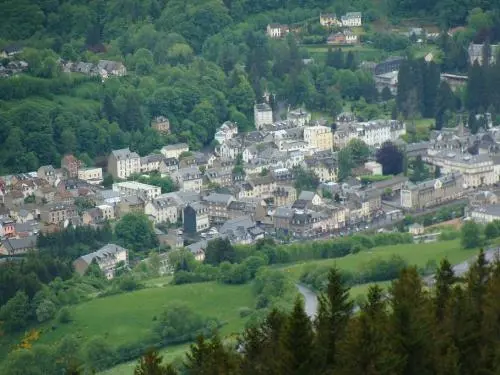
27,229
108,196
485,214
134,188
71,165
329,20
319,137
416,229
92,175
389,80
263,115
111,68
299,117
374,167
195,218
7,228
282,218
48,173
229,149
284,196
123,163
261,187
227,131
107,258
477,53
17,246
222,176
107,211
241,230
188,179
168,166
45,194
391,64
151,163
57,213
11,50
161,124
431,193
163,210
218,207
198,250
174,151
256,208
351,19
23,216
350,37
276,31
374,133
336,38
92,216
325,169
311,197
129,204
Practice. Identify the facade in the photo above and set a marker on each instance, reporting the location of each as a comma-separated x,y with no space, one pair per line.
389,80
352,19
151,163
18,246
299,117
485,214
195,218
133,188
319,137
477,53
263,115
374,167
217,205
107,211
188,179
476,170
329,20
373,133
277,31
91,175
336,38
430,193
163,210
350,37
174,151
227,131
71,165
56,213
123,163
107,258
161,124
48,173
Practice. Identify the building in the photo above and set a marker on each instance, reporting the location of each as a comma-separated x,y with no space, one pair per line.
374,167
391,64
134,188
477,53
351,19
11,50
162,210
92,175
227,131
109,68
218,207
18,246
325,169
373,133
107,211
329,20
188,179
151,163
431,193
454,80
485,214
298,117
56,213
48,173
7,228
161,124
319,137
389,80
350,37
416,229
107,258
477,170
336,38
174,151
195,218
284,195
276,31
123,163
241,230
71,165
130,204
263,115
168,166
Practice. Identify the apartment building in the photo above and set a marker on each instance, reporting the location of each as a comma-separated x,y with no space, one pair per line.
188,179
123,163
319,137
56,213
162,210
217,205
263,115
174,151
195,217
373,133
430,193
133,188
107,258
351,19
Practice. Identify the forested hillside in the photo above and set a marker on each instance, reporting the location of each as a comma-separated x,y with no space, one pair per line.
198,62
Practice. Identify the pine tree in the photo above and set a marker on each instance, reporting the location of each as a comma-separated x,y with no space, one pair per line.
445,278
410,326
150,364
299,341
211,358
334,312
445,101
350,61
365,348
476,94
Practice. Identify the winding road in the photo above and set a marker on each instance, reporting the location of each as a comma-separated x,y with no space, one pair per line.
310,300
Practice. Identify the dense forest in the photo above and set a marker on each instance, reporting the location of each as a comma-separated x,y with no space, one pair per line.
199,63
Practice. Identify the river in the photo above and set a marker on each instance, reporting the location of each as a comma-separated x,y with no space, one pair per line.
310,300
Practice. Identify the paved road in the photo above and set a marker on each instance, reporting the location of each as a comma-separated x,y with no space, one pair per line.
310,300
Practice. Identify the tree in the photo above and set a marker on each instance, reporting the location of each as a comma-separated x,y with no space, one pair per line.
445,279
359,151
219,250
470,235
346,163
15,313
386,94
445,101
150,364
492,230
135,231
305,179
45,310
98,353
391,158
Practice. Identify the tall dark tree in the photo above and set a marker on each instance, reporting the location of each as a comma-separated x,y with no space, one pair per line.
150,364
391,158
220,250
431,84
476,95
445,101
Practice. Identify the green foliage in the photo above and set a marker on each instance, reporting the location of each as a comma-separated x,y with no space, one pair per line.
305,179
15,313
391,158
135,232
98,353
46,310
64,316
470,235
218,251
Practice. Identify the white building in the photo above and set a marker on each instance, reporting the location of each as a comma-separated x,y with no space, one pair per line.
276,31
123,163
319,137
329,20
163,210
151,163
107,211
374,167
188,179
350,37
92,175
389,80
227,131
263,115
373,133
107,258
352,19
485,214
134,188
174,151
299,117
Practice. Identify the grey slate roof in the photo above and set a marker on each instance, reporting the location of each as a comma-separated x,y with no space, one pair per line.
124,153
108,250
245,222
218,198
16,244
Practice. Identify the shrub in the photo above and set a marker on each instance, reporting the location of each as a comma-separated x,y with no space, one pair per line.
64,315
245,311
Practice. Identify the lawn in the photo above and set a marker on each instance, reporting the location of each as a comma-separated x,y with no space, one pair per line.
362,52
128,317
414,254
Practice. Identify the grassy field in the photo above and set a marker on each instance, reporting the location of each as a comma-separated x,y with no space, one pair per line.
128,317
318,52
414,254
